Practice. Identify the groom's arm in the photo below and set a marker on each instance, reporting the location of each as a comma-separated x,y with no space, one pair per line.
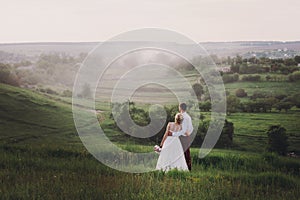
183,131
179,133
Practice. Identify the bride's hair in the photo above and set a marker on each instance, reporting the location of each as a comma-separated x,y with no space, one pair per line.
178,118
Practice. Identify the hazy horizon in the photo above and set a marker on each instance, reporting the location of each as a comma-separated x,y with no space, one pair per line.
91,42
34,21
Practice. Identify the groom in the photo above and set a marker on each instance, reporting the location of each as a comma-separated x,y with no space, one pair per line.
187,129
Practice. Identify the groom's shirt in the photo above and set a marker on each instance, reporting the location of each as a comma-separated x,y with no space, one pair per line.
187,126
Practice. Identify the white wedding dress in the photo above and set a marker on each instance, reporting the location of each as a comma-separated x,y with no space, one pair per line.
171,155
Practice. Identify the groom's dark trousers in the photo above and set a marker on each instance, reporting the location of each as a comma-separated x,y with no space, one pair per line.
185,142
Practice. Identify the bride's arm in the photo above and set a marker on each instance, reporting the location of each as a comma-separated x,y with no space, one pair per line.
167,133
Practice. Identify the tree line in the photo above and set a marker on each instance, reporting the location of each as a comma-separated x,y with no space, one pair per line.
258,102
277,137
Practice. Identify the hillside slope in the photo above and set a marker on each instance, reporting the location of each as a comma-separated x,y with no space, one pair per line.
30,116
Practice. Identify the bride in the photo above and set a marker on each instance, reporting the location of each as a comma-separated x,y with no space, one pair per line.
171,155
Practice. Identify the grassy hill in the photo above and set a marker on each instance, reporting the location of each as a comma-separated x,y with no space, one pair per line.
41,157
29,117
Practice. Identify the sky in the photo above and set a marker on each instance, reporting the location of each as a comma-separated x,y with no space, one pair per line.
99,20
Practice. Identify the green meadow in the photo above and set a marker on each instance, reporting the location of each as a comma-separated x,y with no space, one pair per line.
42,157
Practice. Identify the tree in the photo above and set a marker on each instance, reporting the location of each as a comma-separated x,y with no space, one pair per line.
277,139
260,105
86,91
232,104
7,75
226,137
198,89
239,59
289,62
229,61
295,76
205,106
295,99
297,59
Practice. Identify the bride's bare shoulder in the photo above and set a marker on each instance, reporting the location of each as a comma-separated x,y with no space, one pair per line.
170,125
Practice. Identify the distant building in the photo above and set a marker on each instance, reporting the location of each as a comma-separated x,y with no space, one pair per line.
224,69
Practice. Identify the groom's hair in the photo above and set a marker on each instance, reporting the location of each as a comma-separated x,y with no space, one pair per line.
182,106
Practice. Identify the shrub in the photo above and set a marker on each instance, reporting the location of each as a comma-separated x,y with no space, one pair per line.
295,76
197,90
296,100
50,91
280,96
47,90
67,93
260,105
205,106
277,139
230,78
258,94
235,68
282,105
86,91
268,78
233,103
251,78
240,93
226,137
297,59
7,75
277,78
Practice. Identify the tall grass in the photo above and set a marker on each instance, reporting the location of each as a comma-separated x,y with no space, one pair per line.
70,173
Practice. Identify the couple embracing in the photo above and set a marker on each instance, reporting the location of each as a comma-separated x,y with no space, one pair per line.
174,151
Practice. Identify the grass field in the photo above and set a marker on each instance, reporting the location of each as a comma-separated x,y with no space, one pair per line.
287,88
57,172
250,128
43,158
